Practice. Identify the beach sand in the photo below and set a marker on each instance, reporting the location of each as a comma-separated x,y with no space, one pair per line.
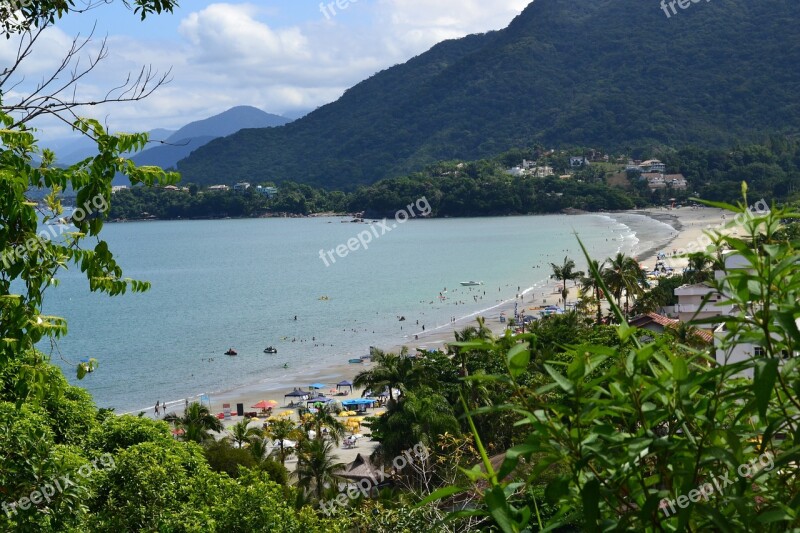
689,225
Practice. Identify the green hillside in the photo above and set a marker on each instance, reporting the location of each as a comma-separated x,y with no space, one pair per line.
612,74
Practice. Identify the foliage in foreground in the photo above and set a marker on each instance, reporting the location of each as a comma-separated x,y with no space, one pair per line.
661,441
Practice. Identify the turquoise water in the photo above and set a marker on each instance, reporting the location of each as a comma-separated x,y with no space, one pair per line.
240,283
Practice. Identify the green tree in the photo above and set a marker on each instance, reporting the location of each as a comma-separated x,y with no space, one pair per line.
280,431
324,418
316,466
623,275
563,273
241,433
589,284
197,422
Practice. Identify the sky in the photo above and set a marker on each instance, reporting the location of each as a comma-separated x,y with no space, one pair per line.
283,56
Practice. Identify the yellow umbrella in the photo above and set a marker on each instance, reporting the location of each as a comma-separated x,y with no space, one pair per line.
254,419
286,413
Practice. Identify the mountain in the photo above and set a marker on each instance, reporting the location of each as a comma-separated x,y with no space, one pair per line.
615,74
181,143
228,122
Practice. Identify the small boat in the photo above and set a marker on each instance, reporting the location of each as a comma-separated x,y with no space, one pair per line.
231,351
355,361
270,349
471,283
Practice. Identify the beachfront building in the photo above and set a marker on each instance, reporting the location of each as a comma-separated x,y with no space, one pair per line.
740,351
269,192
655,180
691,304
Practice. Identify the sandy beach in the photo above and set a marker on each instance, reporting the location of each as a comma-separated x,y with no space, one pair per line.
688,223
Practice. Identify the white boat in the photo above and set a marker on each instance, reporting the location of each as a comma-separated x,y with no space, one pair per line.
471,283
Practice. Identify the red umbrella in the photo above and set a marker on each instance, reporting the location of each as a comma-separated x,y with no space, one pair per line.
265,404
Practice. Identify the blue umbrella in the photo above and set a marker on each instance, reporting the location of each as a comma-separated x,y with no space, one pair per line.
317,386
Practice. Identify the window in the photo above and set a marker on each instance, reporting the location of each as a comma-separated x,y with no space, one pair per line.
758,351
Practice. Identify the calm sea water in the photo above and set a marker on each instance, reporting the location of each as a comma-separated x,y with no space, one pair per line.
240,283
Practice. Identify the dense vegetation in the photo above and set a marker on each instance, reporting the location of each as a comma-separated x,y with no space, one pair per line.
613,74
481,188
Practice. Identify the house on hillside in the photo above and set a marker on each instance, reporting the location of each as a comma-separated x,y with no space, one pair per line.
676,181
690,303
576,162
269,192
655,180
741,350
241,187
219,188
653,165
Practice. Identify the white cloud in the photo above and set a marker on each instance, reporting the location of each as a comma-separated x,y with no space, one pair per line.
229,54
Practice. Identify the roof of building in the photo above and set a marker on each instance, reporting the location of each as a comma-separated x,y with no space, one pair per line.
360,468
665,322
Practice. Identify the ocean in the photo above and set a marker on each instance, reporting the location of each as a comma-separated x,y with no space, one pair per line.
251,283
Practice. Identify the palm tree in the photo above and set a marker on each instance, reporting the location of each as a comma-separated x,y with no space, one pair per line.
624,275
197,423
279,431
316,466
590,284
324,417
391,371
565,272
258,448
470,333
241,434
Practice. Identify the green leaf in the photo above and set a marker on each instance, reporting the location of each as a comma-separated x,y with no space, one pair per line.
440,494
563,382
590,495
518,358
766,372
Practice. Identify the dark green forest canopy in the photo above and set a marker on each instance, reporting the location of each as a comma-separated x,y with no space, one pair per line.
484,187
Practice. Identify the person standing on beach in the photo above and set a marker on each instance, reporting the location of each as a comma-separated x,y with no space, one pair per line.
156,409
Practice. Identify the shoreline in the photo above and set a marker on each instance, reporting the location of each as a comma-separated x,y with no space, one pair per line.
687,224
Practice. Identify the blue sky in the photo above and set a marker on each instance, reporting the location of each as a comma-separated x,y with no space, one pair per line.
281,56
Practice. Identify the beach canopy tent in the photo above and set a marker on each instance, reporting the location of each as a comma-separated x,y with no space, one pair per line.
344,385
317,386
297,393
319,399
286,443
358,401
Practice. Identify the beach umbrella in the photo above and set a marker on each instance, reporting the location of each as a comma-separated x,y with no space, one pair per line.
286,443
254,420
285,413
265,404
317,386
